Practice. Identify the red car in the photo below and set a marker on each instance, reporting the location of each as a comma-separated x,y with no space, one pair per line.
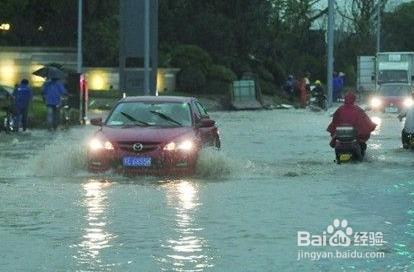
154,135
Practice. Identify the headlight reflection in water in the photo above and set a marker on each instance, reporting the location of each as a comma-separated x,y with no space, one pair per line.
378,121
187,246
95,237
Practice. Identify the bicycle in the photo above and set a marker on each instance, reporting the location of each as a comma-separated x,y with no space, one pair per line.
7,124
65,113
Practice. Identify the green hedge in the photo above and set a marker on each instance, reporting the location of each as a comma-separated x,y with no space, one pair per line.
38,111
37,114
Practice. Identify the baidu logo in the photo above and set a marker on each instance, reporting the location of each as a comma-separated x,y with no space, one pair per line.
339,234
339,241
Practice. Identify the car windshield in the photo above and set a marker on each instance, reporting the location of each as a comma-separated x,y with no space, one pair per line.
160,114
394,90
393,76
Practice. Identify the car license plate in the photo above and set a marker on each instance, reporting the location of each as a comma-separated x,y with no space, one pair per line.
391,109
345,157
136,161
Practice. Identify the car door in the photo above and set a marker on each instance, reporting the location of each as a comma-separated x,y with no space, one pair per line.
207,134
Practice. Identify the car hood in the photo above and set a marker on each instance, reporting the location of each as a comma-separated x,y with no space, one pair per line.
144,134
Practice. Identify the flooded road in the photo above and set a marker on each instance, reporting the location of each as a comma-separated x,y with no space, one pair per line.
274,176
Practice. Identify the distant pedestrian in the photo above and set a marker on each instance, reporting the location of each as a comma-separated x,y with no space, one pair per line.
338,85
302,93
307,82
22,95
289,88
53,90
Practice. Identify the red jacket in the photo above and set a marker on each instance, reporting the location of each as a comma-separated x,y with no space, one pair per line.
350,114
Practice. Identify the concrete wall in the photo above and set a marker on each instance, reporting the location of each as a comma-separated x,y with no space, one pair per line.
101,78
20,62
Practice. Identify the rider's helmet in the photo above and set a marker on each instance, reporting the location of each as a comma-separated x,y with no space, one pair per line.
318,82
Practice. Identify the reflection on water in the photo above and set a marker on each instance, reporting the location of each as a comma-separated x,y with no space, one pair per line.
95,237
375,146
187,246
378,121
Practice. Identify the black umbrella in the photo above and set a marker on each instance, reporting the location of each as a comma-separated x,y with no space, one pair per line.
50,72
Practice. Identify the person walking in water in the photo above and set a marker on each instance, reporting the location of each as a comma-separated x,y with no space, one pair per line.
302,93
22,95
52,93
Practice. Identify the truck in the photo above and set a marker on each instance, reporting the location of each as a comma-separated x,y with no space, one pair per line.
389,78
366,74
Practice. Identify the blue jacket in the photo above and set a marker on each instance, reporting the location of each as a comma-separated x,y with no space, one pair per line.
22,96
337,84
52,92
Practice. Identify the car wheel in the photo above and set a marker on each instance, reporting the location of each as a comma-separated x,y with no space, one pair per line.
217,143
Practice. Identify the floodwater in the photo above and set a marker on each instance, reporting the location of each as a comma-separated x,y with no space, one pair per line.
274,176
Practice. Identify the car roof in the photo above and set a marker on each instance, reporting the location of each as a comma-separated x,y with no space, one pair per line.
172,99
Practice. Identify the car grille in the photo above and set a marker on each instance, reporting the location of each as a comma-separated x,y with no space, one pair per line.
146,146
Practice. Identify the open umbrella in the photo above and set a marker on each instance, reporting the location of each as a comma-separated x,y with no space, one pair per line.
50,72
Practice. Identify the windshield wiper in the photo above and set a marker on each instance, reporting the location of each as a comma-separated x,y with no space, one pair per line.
130,118
166,117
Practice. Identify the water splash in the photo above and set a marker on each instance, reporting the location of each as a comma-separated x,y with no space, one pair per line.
64,156
213,164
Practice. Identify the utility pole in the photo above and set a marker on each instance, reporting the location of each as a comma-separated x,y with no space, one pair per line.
379,26
331,22
83,95
79,57
146,47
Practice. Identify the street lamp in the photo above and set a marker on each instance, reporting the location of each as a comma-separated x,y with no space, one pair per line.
5,26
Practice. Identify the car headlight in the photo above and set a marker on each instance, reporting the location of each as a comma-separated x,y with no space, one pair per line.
184,146
96,144
408,102
375,102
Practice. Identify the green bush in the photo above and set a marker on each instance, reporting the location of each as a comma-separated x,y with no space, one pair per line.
221,73
116,94
219,79
191,80
191,56
37,114
217,87
267,87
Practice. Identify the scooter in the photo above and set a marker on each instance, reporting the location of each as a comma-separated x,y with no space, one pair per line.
347,147
407,140
7,121
317,101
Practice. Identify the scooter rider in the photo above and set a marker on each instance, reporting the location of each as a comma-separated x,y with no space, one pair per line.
408,125
352,115
319,94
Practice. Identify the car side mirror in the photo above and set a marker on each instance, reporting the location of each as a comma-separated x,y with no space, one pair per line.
96,121
204,123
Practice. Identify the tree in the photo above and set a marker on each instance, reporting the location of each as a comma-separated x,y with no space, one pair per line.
39,23
398,32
